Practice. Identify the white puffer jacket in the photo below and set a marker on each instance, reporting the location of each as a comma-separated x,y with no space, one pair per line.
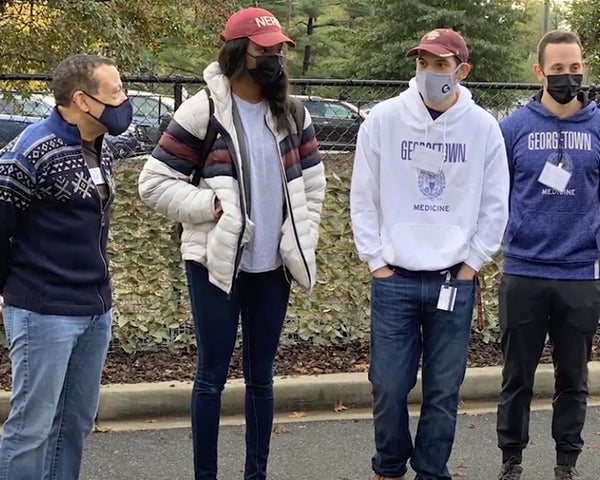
164,186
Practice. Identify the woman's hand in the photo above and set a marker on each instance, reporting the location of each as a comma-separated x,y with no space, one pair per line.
217,209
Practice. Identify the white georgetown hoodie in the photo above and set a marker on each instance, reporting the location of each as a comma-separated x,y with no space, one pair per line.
413,219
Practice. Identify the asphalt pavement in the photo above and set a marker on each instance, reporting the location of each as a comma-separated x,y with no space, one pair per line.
335,449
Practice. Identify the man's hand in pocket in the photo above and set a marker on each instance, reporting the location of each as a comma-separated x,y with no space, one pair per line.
383,272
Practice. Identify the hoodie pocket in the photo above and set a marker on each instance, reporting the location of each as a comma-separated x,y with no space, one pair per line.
552,237
438,246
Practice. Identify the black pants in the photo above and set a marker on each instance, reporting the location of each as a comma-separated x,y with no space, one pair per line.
531,308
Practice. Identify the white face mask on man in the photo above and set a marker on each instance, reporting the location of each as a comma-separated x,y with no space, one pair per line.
436,87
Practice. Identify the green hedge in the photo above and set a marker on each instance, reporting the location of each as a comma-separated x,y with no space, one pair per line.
151,301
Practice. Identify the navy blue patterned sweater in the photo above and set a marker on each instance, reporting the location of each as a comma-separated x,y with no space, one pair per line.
53,223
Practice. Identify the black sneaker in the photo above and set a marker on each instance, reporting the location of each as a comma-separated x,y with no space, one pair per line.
565,473
510,471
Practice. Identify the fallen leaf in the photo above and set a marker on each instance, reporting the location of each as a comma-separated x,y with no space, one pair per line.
277,429
298,415
99,429
361,367
471,425
339,407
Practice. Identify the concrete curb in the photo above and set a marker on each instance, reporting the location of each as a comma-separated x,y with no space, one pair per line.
151,400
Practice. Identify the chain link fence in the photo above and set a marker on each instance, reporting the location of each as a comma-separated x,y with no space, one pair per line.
337,107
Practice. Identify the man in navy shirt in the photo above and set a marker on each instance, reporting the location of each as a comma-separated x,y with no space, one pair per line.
56,189
550,272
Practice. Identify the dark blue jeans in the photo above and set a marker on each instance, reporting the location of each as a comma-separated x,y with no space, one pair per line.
262,300
405,322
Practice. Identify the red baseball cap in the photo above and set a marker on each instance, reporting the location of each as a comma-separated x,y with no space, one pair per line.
257,24
442,42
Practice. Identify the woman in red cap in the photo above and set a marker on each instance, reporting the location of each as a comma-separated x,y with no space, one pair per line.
249,227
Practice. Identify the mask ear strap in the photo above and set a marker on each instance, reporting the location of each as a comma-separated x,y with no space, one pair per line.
456,71
86,102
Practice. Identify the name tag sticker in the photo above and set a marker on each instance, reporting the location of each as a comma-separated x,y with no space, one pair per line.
554,177
427,159
96,175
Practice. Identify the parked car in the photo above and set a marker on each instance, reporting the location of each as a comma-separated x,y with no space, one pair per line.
11,127
150,111
336,122
32,105
366,107
17,111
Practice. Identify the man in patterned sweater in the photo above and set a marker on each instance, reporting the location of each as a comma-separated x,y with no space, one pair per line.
56,189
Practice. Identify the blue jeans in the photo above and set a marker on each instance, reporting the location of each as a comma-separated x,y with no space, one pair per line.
56,370
262,300
405,322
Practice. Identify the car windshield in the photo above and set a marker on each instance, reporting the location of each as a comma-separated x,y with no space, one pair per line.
331,110
32,107
11,128
336,110
148,107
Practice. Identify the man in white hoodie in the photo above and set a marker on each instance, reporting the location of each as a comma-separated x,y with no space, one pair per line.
429,203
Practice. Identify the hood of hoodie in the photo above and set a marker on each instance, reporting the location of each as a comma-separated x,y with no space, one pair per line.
582,115
419,118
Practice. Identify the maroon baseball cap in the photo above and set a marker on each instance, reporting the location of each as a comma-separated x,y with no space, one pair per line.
442,42
257,24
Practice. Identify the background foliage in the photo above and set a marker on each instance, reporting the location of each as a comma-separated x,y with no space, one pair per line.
584,16
151,301
336,38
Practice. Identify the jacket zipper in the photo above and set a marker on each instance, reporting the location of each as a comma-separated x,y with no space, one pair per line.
289,205
238,251
293,222
103,222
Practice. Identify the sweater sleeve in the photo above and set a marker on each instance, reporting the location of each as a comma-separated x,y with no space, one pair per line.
493,212
17,183
506,128
364,199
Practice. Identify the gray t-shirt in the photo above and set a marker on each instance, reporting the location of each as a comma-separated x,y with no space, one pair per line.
263,174
91,158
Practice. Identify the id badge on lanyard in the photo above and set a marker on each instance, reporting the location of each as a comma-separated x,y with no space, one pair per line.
447,295
555,177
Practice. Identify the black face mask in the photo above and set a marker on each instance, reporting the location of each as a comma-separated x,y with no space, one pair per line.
267,70
563,88
116,118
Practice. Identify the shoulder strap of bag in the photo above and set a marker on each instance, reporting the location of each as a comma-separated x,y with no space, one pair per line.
207,143
299,117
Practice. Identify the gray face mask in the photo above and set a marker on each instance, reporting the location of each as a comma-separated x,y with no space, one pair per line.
435,87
